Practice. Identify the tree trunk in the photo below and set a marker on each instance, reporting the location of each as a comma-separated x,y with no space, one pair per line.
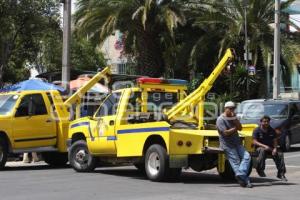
1,75
6,49
149,57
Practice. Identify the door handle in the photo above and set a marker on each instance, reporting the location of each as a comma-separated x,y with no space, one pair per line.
111,122
48,120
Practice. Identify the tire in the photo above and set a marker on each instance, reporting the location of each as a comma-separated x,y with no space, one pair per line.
228,173
55,159
80,158
156,163
286,144
3,153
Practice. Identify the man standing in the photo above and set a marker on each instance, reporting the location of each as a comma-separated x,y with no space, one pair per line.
265,141
239,159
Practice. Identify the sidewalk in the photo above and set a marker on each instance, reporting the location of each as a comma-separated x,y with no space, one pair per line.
21,164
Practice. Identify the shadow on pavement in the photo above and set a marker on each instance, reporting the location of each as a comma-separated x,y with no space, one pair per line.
131,173
32,167
194,178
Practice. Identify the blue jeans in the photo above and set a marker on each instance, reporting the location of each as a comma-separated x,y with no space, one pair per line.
239,160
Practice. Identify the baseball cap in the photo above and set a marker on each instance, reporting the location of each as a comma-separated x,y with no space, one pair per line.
229,104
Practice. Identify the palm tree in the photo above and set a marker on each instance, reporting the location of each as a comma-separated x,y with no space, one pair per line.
224,20
147,24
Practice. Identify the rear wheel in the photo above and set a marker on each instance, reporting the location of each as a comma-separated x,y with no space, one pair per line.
3,153
55,159
80,158
156,163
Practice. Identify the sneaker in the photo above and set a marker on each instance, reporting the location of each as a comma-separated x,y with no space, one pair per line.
240,181
282,177
249,185
261,173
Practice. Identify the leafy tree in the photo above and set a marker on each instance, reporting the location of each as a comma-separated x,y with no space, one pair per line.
23,26
147,24
84,56
222,25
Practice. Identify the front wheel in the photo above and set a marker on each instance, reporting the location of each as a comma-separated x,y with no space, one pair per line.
156,163
3,153
80,158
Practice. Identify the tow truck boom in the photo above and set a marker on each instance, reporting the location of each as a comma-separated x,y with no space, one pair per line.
76,97
198,96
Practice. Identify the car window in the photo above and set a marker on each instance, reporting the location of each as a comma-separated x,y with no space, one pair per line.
109,106
38,106
134,102
157,101
7,103
257,110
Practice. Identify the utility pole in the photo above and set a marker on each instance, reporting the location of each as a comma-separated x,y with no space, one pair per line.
66,44
276,75
246,55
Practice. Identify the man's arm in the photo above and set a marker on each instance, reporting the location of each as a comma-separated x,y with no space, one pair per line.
224,129
257,143
275,144
237,124
231,131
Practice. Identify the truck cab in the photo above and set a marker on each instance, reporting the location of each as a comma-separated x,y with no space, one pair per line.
27,123
38,121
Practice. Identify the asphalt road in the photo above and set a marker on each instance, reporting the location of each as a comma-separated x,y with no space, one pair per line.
37,181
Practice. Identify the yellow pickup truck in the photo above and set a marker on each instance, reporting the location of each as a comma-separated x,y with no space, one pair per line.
38,121
29,123
154,126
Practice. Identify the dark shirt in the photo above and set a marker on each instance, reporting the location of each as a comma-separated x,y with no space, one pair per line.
265,137
227,141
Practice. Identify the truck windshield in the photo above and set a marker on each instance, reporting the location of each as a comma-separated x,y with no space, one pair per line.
160,100
257,110
7,102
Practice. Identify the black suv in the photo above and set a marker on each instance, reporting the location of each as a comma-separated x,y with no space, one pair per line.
285,117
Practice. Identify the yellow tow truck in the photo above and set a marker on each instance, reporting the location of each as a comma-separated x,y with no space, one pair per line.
155,126
38,121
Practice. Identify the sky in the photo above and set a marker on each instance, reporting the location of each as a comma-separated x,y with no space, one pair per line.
296,18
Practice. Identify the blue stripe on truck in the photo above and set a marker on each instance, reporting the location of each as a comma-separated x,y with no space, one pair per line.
141,130
80,124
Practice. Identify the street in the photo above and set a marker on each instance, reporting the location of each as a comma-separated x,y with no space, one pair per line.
38,181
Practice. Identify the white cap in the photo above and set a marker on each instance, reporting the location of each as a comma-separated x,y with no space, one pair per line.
229,104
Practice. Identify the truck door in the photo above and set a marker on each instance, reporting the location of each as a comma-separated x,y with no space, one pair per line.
105,137
32,124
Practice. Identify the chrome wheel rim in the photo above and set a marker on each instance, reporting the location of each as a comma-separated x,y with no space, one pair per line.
82,156
153,163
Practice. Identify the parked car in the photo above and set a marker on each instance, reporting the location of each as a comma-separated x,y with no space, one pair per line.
285,117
